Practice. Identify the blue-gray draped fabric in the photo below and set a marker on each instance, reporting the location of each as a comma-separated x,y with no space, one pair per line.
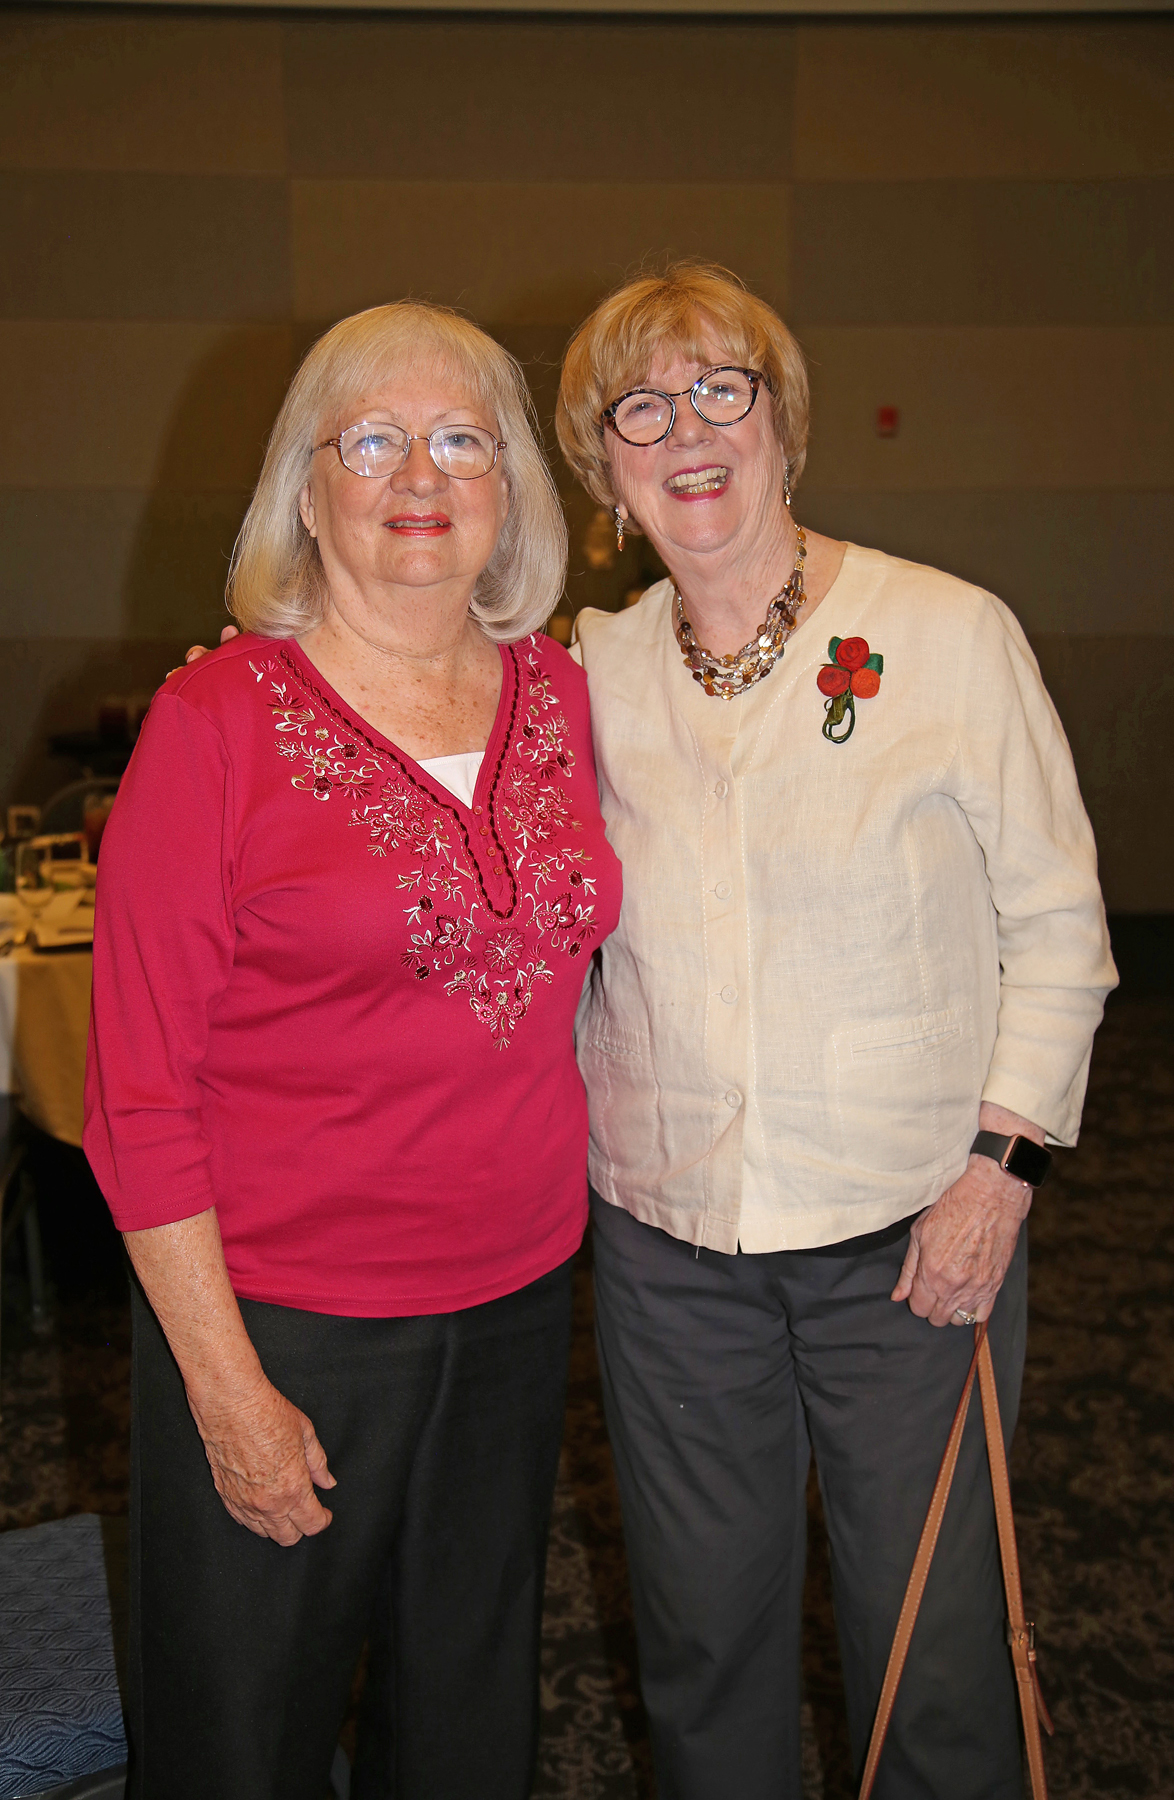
60,1713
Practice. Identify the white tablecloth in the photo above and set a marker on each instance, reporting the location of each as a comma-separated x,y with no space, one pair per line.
44,1019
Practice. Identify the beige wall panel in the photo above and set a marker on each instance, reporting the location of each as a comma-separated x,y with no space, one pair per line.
1058,100
992,409
103,246
1116,698
135,91
510,99
55,684
118,564
1064,562
518,253
94,405
66,554
983,253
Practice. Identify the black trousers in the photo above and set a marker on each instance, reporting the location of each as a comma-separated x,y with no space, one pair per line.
443,1433
720,1375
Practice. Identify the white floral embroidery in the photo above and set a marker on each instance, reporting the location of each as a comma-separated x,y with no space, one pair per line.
331,760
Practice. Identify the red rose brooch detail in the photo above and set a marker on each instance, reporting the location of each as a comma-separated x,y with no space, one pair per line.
854,673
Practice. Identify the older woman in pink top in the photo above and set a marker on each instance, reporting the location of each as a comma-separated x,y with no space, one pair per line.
348,894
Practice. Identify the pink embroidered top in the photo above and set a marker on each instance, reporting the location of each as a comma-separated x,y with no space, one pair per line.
336,1003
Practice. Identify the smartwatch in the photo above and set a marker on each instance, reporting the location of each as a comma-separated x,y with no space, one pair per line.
1018,1155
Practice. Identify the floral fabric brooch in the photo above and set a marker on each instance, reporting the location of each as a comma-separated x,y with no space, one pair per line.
853,674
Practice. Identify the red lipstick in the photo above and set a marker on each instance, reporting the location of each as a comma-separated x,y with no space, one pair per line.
430,524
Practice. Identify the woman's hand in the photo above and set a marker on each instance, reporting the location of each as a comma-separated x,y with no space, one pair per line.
264,1455
266,1462
197,650
961,1247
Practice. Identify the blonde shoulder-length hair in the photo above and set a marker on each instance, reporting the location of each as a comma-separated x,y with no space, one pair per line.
276,583
689,308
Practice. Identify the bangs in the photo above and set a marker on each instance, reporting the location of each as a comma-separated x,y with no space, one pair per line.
374,358
685,330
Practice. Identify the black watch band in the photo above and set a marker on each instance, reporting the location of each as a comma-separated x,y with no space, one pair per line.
1026,1161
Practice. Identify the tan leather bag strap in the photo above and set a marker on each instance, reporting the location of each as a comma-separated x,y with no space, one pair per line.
1020,1634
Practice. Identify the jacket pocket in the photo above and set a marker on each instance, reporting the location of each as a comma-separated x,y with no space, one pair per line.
904,1090
621,1094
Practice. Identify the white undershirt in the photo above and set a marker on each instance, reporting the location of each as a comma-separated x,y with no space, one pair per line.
457,773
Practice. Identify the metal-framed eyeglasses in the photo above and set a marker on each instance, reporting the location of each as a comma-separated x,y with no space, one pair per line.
646,415
374,448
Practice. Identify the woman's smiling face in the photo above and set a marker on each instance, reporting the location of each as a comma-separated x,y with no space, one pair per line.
418,527
703,488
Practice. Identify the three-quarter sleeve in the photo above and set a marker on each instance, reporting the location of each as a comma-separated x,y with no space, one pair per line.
1017,785
163,953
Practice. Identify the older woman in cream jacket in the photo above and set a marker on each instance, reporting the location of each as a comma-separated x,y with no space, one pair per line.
861,957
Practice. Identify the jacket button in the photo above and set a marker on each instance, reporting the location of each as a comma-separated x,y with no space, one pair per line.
734,1099
721,789
723,890
729,995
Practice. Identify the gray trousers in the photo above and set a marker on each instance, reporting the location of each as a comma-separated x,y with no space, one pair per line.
721,1375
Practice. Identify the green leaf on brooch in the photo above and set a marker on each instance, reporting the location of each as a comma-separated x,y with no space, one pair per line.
833,646
876,661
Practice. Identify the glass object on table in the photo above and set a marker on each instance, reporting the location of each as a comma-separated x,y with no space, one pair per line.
46,865
33,891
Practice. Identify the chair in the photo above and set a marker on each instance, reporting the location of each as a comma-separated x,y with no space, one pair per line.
63,811
62,1590
61,1731
15,1173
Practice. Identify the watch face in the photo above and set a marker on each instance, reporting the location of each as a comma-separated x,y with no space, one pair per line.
1028,1162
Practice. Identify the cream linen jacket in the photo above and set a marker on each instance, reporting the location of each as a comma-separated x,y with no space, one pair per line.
828,954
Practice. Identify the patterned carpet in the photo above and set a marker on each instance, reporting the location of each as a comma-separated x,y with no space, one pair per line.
1092,1468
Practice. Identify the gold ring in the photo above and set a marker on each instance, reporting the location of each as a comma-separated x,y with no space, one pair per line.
966,1318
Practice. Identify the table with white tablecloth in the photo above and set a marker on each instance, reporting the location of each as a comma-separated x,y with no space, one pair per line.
44,1021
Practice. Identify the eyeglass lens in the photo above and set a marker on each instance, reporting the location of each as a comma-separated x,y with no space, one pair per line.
721,397
462,451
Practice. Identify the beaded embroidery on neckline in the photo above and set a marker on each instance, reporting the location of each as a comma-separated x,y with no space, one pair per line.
495,959
450,801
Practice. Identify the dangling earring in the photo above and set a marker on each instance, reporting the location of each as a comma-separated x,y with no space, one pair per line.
787,485
619,529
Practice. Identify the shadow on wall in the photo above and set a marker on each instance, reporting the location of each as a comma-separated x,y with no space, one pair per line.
207,466
172,586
